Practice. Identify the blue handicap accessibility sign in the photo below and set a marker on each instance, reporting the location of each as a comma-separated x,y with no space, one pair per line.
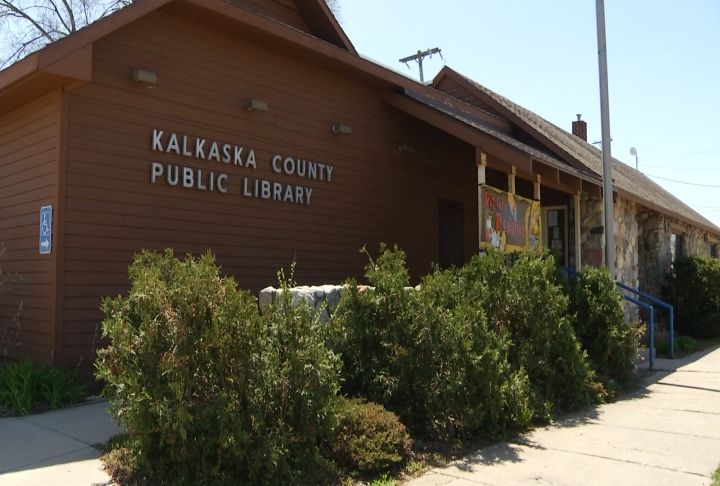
45,230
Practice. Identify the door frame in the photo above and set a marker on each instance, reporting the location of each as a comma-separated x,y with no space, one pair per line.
544,210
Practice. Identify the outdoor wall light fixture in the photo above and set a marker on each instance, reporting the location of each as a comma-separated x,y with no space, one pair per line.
341,129
256,105
144,76
406,148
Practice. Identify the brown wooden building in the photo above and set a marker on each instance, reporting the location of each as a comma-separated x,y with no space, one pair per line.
251,128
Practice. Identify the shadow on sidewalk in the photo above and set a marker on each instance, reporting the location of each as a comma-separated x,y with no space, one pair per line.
512,451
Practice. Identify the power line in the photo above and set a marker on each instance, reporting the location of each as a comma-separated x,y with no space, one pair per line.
682,182
681,168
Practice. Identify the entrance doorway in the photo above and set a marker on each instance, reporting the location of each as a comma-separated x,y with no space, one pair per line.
555,235
451,233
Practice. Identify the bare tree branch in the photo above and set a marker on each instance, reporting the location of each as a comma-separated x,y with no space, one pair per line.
33,23
69,10
57,12
21,14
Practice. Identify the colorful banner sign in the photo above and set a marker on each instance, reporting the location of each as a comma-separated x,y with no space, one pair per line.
509,222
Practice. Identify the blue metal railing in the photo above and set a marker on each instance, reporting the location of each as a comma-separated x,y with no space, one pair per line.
656,301
651,309
651,327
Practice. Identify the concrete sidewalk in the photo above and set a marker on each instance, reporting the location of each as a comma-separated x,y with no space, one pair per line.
667,433
56,448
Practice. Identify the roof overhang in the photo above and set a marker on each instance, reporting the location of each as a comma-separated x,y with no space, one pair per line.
508,153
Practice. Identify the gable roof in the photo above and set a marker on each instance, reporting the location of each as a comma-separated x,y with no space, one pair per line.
628,182
463,112
50,60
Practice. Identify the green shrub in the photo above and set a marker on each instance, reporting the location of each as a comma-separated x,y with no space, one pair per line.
682,345
477,350
596,307
384,480
428,355
369,439
522,297
694,291
210,391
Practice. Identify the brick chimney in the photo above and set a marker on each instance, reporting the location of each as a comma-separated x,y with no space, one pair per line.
579,128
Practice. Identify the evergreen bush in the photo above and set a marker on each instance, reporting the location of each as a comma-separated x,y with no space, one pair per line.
480,349
694,291
596,308
208,390
369,438
522,298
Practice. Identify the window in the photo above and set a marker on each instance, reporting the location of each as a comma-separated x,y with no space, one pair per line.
714,250
677,246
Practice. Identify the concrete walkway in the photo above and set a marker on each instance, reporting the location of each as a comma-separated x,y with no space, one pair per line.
668,433
56,448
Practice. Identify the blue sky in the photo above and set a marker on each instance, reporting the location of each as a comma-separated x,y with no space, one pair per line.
663,64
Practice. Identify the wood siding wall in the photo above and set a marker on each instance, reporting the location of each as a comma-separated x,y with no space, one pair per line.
28,180
204,78
282,10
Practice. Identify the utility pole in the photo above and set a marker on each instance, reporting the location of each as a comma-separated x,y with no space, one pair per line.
418,57
607,160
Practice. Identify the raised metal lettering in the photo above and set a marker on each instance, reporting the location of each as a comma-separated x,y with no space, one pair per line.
156,170
251,160
276,163
199,150
265,189
238,156
185,150
157,140
188,178
214,152
172,179
289,161
277,190
221,180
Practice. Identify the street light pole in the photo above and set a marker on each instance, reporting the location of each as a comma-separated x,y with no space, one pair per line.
607,160
633,151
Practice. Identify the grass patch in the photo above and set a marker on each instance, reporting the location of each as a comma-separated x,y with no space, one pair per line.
684,345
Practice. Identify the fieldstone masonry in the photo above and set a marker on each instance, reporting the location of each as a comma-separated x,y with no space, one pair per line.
591,216
324,298
654,253
654,249
626,242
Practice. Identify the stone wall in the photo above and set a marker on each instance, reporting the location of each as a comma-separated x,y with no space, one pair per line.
625,227
626,241
655,252
322,298
626,236
591,245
